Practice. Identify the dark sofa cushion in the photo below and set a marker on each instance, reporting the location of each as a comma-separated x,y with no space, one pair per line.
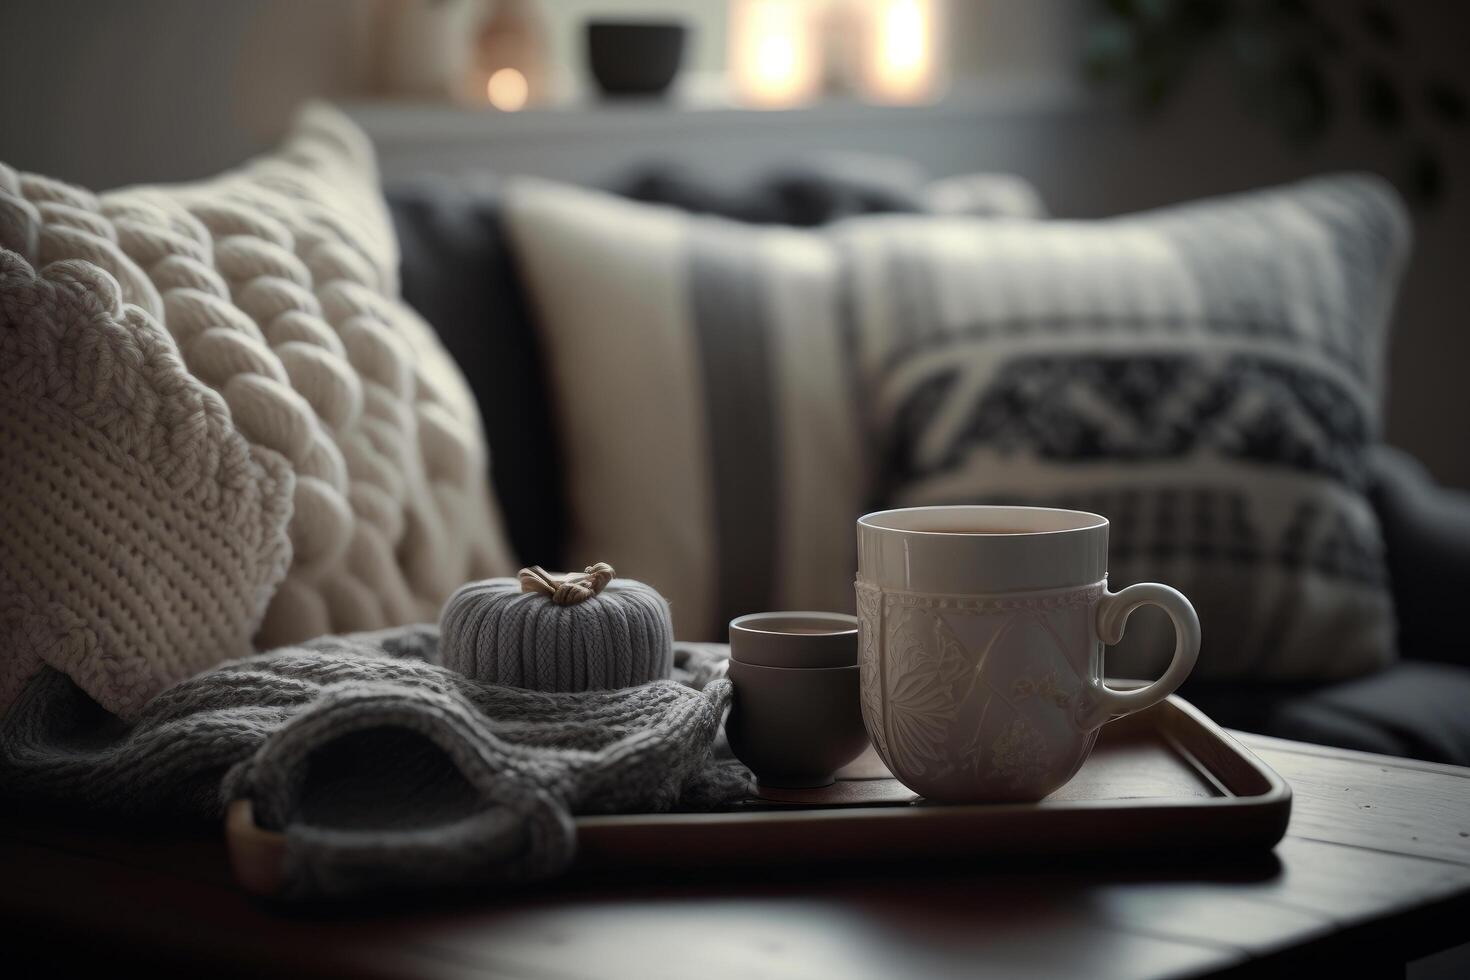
799,193
458,273
1415,709
1426,534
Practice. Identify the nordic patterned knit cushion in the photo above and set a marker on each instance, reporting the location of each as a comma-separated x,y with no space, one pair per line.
283,340
1208,376
705,408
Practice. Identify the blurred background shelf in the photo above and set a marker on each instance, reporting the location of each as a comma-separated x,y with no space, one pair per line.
585,140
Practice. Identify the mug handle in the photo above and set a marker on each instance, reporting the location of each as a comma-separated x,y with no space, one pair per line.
1112,615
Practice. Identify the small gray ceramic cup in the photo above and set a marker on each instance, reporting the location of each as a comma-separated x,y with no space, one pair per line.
797,714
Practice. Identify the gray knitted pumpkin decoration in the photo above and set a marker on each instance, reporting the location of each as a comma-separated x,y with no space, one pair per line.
578,632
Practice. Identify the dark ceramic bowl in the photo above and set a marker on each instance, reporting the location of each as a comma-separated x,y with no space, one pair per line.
795,727
634,57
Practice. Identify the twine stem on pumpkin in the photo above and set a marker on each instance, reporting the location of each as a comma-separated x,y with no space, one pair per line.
569,589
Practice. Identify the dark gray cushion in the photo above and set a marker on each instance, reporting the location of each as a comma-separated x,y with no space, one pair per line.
1426,534
801,193
1412,709
458,273
1415,709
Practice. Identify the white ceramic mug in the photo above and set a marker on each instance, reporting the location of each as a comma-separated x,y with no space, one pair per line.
981,646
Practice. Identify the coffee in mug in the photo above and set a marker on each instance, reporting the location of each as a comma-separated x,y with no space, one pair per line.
981,646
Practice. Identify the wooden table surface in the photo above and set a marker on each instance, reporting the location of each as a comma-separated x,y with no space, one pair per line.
1374,871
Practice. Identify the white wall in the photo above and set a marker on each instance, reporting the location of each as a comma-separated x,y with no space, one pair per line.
104,93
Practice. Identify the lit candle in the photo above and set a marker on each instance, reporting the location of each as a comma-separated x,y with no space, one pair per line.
509,70
508,89
774,57
898,58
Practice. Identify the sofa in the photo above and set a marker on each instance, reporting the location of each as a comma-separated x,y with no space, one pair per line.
460,272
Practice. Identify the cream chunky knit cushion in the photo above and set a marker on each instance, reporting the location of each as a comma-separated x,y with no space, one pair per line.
141,534
275,286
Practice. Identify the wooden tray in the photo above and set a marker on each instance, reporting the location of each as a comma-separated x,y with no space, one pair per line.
1164,779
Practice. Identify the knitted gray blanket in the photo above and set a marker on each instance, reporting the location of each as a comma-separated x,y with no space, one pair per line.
382,769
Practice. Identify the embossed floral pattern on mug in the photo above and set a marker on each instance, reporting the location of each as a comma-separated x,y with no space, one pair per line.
870,624
977,687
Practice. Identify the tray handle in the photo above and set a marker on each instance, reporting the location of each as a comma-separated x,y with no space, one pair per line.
258,856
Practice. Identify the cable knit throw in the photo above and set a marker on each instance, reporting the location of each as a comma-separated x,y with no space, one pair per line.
222,423
581,632
382,770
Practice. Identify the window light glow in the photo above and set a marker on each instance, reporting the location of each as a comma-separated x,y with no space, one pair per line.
773,51
900,63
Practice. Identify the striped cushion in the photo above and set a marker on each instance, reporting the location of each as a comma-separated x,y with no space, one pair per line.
1208,376
705,406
